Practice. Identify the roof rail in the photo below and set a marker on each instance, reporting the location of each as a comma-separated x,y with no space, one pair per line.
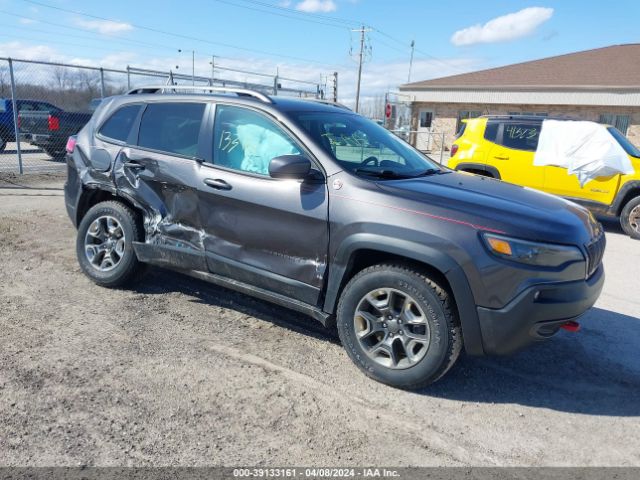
327,102
241,92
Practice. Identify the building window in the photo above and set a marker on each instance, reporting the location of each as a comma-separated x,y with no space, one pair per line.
621,122
426,118
464,114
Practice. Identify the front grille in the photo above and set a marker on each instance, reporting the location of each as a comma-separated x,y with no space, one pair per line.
595,252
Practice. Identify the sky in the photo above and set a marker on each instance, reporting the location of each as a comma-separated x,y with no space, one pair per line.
310,39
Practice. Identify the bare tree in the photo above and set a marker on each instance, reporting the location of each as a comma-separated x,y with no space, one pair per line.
60,77
5,87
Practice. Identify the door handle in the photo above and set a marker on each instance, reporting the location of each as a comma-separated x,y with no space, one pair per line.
217,183
500,158
134,165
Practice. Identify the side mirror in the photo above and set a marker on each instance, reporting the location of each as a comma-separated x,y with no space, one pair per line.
290,166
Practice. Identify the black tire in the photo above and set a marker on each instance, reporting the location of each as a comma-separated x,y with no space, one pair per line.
128,268
630,218
445,339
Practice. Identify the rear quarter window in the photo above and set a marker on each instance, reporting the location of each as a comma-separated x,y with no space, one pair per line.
521,136
491,131
118,126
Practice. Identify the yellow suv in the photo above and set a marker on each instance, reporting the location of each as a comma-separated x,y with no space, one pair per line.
483,146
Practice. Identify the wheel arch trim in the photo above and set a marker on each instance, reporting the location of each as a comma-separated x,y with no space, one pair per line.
619,202
418,252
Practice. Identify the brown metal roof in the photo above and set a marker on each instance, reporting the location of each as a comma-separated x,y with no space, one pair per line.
616,67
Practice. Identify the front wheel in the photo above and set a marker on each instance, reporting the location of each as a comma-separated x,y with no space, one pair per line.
630,218
104,245
399,326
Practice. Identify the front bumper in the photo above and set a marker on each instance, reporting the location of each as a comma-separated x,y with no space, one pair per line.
537,313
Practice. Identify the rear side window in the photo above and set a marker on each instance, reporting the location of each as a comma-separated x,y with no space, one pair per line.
118,126
521,136
171,127
491,131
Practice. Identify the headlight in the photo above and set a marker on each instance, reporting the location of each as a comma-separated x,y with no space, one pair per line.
531,253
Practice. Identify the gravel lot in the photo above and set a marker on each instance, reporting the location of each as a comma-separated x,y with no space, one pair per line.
179,372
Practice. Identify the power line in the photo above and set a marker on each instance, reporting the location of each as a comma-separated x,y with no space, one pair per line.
424,54
179,35
334,25
408,45
302,13
122,40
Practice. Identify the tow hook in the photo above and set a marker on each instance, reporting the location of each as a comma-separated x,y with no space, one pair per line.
571,326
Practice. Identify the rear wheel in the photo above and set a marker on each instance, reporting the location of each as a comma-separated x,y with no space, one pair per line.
399,326
56,154
104,245
630,218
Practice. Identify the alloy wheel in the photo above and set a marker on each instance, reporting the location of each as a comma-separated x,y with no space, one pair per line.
392,328
104,243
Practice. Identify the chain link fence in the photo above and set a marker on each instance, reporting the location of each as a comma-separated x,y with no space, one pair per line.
43,103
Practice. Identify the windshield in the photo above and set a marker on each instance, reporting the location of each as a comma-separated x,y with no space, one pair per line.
363,147
624,142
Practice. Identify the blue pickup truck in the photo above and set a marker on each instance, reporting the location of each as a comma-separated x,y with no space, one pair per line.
41,124
7,130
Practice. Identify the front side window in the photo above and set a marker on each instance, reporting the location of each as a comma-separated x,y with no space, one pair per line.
247,141
118,126
171,127
363,147
521,136
491,132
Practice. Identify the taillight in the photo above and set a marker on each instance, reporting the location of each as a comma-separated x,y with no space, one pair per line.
454,149
71,144
54,123
19,121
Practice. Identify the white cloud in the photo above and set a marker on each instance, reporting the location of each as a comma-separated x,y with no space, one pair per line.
504,28
25,51
323,6
106,27
27,21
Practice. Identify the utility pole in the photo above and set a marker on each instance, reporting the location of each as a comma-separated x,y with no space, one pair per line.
335,87
362,31
193,65
413,44
213,69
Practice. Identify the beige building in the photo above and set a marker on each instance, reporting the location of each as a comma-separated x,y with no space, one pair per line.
602,85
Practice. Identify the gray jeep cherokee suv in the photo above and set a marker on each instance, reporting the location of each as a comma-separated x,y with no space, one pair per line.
316,208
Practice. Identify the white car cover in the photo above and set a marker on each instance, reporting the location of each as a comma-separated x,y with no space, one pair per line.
585,149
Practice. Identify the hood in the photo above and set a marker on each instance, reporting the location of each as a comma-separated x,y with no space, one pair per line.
517,211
